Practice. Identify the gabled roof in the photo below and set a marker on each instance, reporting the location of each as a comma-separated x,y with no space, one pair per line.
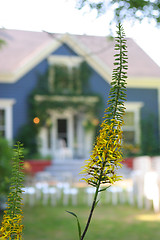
25,49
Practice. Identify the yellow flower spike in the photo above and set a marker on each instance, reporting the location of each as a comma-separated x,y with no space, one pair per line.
106,149
106,155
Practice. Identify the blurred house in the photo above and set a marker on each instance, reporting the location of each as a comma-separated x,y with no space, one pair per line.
54,88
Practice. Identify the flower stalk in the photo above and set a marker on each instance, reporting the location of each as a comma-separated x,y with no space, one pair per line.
11,227
106,156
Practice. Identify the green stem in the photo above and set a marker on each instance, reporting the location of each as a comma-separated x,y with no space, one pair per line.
91,212
93,204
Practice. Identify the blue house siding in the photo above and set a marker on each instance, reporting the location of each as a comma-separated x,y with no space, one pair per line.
20,92
64,50
148,96
21,89
99,86
149,113
150,99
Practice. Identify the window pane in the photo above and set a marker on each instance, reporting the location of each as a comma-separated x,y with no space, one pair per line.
2,117
129,119
129,137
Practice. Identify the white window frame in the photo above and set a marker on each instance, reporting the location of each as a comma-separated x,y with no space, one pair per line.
159,112
66,114
70,61
134,107
7,106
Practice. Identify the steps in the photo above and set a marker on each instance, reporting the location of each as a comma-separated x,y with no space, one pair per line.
66,170
70,170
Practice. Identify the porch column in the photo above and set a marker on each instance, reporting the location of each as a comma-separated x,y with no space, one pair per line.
70,131
88,142
43,142
80,136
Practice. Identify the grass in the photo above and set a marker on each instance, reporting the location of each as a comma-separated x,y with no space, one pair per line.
121,222
109,223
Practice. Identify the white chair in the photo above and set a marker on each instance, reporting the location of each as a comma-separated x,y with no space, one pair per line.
52,192
31,193
116,193
39,186
130,195
63,153
141,165
45,194
67,192
24,195
60,187
151,190
90,191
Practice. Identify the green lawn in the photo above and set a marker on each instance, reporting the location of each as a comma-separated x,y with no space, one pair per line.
109,223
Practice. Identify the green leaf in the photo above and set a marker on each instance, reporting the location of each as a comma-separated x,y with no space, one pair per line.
78,223
96,203
104,189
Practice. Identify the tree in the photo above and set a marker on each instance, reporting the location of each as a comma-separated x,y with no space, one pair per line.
126,9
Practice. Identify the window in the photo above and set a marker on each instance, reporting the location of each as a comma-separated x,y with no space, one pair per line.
64,74
2,122
6,118
131,128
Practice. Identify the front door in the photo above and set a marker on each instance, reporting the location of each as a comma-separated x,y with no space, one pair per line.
62,131
66,131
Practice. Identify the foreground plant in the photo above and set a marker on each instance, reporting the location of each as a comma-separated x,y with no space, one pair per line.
11,227
107,156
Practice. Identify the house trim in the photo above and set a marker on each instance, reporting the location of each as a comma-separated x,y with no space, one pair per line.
141,82
159,112
135,107
60,98
54,148
29,63
104,70
7,105
92,60
84,52
70,61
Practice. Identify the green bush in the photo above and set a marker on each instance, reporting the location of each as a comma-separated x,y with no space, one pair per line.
6,154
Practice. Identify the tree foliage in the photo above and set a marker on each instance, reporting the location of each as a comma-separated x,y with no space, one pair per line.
126,9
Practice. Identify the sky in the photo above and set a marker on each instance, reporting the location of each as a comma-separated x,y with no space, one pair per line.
61,16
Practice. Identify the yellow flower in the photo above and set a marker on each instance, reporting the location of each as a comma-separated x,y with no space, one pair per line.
106,155
11,227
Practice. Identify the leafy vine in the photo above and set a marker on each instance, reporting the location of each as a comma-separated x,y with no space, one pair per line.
59,88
